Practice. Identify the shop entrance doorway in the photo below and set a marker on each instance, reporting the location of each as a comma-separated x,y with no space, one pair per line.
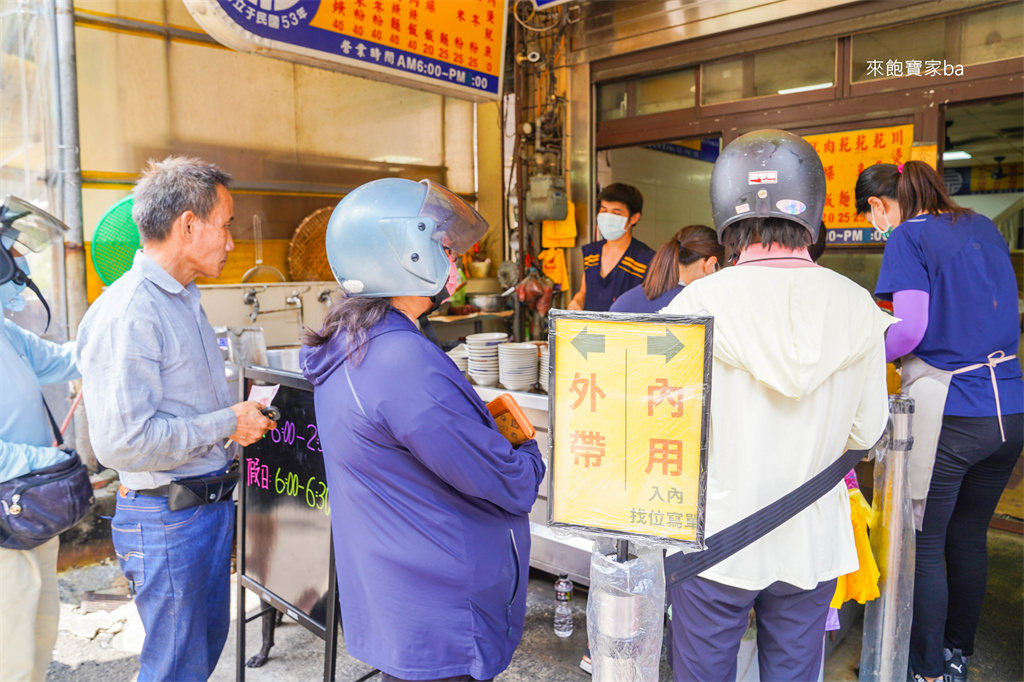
983,163
674,178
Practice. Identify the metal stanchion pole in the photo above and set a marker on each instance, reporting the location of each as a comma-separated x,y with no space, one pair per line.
885,648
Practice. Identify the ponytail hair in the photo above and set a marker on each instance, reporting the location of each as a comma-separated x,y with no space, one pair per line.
914,186
690,244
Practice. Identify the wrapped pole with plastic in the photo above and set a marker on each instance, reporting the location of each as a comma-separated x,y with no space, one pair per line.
885,649
625,612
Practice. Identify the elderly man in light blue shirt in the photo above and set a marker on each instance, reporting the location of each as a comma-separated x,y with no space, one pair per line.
160,411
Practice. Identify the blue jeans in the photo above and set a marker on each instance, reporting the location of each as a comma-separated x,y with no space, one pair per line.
179,566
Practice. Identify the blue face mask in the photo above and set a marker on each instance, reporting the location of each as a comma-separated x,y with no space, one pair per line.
11,293
612,226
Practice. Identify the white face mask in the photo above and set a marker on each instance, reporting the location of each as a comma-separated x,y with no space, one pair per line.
888,227
612,226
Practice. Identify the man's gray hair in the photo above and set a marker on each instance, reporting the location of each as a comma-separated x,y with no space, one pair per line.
170,187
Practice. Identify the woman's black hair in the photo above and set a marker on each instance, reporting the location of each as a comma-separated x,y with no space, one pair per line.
686,246
353,315
768,231
914,186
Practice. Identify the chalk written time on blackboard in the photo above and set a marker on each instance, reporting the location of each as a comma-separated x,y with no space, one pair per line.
313,491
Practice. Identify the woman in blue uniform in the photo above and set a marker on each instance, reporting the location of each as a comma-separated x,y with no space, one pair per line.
617,262
948,274
429,501
692,252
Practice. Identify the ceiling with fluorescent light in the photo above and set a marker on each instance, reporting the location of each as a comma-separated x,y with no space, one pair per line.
986,131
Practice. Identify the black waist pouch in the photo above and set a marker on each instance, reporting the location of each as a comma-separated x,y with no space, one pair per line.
192,492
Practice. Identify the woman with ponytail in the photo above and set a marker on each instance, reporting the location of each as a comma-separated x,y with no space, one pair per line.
690,254
947,271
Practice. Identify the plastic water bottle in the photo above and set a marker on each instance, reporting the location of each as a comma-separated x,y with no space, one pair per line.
563,606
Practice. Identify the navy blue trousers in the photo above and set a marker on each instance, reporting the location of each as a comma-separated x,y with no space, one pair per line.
709,619
972,467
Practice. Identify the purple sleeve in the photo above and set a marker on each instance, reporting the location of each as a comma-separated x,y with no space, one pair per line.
911,307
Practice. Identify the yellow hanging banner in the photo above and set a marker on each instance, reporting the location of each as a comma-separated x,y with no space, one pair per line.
630,401
845,154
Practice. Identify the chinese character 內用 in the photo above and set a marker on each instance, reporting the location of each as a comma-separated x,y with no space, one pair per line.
659,392
668,453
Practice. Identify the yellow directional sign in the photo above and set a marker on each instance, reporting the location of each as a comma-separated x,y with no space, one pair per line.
630,399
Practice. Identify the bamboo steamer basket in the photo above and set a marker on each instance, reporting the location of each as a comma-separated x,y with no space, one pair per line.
307,252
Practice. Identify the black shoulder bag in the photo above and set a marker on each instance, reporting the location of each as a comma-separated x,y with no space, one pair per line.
681,567
46,502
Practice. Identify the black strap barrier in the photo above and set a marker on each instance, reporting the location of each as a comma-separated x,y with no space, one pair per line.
681,567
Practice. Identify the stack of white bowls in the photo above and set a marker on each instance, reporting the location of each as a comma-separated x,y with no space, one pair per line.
517,365
544,363
483,356
460,356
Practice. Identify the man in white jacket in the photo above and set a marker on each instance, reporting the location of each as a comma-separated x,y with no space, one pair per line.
799,377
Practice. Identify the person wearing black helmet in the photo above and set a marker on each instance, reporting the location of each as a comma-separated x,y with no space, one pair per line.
799,377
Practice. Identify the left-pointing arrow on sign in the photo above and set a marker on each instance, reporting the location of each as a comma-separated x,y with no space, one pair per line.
667,345
588,343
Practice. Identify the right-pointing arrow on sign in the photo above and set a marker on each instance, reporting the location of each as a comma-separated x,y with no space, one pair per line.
667,345
588,343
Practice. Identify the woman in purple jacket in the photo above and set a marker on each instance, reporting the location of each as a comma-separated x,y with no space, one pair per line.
429,501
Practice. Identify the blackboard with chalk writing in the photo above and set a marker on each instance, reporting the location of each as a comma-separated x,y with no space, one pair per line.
284,523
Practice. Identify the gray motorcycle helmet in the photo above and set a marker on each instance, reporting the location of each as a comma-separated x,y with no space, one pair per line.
389,237
768,173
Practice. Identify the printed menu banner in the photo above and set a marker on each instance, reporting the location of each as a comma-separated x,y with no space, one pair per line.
845,154
630,402
453,47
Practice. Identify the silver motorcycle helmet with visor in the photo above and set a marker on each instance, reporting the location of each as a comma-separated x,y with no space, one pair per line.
30,227
393,237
